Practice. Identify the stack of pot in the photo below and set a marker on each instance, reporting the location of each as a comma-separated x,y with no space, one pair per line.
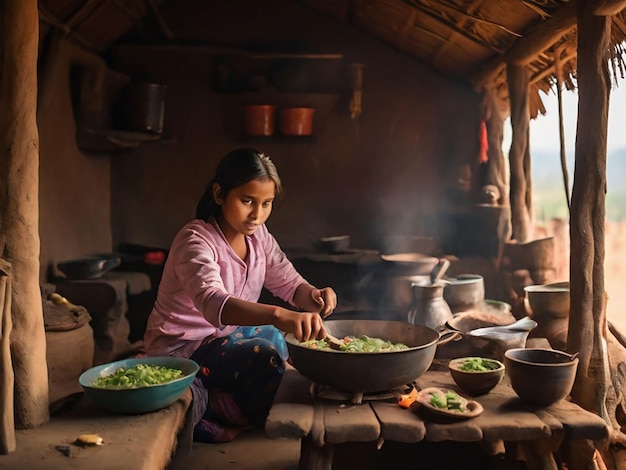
261,120
401,270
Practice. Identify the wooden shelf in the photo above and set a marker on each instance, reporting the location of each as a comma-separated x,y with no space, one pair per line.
219,50
112,140
287,139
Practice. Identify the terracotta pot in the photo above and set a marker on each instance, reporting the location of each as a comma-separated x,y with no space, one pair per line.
144,107
464,292
541,376
532,255
296,121
260,120
547,301
474,382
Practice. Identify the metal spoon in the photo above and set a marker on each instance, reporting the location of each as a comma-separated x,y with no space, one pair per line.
334,342
523,324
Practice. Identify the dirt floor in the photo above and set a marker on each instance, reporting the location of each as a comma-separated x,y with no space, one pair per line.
250,450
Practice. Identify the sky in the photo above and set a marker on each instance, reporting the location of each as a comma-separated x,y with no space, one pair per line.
544,131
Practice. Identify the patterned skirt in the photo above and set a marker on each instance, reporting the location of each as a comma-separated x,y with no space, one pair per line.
241,373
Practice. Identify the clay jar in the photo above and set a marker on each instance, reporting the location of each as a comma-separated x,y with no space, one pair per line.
540,376
260,120
547,301
400,271
428,307
296,121
464,292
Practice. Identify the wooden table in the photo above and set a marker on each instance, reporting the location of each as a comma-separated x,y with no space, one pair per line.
321,424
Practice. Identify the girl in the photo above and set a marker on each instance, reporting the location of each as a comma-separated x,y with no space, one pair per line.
206,307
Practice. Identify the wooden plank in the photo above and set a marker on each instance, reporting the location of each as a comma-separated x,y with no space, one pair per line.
352,423
294,388
315,457
289,420
398,424
292,413
579,423
505,416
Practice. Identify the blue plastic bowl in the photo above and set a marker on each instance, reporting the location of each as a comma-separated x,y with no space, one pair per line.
143,399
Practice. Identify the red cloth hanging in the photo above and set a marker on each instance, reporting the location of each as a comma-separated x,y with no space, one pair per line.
484,142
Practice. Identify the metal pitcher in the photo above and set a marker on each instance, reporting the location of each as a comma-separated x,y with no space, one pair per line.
428,307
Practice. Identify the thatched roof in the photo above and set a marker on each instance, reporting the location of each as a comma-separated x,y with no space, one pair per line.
467,39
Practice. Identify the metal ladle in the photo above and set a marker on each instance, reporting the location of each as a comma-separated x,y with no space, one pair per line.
523,324
439,270
333,342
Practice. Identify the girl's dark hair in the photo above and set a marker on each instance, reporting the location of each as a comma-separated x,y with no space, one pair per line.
236,168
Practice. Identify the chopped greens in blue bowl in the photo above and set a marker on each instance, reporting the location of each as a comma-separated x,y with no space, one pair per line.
138,385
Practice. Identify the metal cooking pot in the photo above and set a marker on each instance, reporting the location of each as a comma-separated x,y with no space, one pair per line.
369,372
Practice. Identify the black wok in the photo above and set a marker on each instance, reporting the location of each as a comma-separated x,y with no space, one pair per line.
369,372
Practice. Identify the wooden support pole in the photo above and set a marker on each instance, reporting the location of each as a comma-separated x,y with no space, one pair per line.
587,322
518,82
19,205
7,379
559,93
497,171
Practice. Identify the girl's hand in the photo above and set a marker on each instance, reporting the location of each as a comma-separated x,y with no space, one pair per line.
326,299
312,299
303,325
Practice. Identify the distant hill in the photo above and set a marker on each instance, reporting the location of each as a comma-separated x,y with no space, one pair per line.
549,195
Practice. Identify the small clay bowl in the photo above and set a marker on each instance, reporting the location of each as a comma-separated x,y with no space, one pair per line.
548,301
336,244
476,383
541,376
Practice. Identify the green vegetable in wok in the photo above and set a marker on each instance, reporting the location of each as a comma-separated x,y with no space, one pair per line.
359,344
140,375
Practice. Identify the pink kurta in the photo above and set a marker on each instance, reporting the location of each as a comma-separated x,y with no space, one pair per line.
201,272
